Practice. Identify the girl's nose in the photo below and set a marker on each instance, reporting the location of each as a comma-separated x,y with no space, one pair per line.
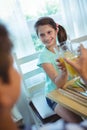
47,37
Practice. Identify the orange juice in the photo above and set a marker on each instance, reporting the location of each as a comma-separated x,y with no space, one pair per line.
62,61
71,70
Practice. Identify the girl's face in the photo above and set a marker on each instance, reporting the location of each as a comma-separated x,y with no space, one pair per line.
10,92
47,35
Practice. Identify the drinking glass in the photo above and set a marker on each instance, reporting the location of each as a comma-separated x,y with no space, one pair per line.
66,50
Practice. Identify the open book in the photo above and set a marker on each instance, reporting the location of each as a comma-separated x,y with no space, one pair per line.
75,90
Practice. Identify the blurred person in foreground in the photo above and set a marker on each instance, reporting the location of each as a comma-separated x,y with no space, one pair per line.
9,81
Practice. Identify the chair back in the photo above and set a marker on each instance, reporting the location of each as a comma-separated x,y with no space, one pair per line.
33,76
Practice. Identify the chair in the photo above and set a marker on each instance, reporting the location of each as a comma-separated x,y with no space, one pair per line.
34,81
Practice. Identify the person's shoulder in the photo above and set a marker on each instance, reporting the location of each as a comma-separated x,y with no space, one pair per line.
43,52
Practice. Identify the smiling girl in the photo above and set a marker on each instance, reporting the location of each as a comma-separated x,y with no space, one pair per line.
48,32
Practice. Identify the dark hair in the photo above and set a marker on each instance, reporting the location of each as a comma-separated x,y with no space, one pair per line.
62,35
5,52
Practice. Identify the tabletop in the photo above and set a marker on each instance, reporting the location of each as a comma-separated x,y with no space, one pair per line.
68,103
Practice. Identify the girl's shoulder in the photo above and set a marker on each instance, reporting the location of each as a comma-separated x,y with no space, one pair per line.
44,52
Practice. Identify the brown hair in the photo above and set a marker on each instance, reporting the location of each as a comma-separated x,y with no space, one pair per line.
5,51
62,35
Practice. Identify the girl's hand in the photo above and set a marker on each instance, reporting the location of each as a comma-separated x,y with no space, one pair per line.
61,65
64,73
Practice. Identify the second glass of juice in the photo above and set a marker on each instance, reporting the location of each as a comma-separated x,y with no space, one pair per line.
72,72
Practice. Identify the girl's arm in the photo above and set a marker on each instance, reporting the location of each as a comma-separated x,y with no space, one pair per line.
58,79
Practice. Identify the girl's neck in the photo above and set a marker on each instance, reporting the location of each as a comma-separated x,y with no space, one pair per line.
51,49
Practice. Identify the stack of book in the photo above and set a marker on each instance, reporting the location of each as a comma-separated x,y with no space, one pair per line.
75,90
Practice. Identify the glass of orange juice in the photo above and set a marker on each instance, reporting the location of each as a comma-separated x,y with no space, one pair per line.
72,72
63,51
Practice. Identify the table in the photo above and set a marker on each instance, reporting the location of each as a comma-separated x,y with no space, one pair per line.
68,103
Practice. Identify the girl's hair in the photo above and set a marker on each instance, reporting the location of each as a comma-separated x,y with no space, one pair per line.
62,35
5,52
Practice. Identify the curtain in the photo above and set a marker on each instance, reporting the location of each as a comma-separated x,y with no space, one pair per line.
75,17
18,28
